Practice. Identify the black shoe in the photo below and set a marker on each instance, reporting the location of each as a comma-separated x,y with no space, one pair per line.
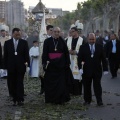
100,104
20,103
86,103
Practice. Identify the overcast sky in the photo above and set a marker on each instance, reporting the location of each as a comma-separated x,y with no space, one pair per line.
64,4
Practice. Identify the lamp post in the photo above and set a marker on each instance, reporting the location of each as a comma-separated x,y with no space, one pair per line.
39,9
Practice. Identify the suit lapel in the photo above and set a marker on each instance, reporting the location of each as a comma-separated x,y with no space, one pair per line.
117,46
12,45
88,49
111,45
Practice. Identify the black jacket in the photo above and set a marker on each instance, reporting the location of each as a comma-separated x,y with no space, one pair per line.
92,66
13,62
109,47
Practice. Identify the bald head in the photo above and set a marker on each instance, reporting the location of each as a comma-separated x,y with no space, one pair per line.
91,38
56,32
56,29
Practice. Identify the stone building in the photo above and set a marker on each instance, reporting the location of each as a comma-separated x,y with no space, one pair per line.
2,10
15,13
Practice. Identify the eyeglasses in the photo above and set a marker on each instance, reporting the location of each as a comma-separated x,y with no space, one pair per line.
91,39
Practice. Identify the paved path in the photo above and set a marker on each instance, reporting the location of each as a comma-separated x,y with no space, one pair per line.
35,109
111,99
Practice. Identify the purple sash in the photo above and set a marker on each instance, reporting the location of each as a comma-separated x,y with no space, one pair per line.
55,55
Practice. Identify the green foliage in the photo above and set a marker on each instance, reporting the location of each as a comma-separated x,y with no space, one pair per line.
85,11
66,21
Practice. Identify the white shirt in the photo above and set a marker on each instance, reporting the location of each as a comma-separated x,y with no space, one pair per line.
106,38
114,41
114,46
15,42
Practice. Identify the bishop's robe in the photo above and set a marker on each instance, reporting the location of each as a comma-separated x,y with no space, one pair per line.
56,89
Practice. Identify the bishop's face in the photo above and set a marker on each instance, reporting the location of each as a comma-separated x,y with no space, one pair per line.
56,33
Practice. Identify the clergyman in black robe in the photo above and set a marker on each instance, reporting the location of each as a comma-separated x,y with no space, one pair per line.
55,51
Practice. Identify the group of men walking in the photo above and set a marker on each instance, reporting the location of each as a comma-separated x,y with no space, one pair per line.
66,65
86,63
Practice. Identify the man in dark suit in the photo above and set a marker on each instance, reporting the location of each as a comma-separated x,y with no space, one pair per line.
113,54
16,57
92,55
99,38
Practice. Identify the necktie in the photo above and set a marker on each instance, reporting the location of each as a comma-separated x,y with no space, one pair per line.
92,50
114,46
15,45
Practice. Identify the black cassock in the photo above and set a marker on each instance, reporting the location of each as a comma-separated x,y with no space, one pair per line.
56,88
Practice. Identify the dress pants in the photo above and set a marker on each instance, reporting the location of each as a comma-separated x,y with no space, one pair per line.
87,82
114,64
9,86
16,86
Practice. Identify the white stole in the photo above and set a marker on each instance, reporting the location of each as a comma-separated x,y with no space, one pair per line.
74,68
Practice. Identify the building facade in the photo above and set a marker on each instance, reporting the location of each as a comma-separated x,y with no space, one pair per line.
2,9
15,13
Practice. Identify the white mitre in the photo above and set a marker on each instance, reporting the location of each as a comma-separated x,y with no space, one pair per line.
76,23
80,26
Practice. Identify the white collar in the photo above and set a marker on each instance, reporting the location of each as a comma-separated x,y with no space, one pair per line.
15,40
48,36
92,44
114,40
